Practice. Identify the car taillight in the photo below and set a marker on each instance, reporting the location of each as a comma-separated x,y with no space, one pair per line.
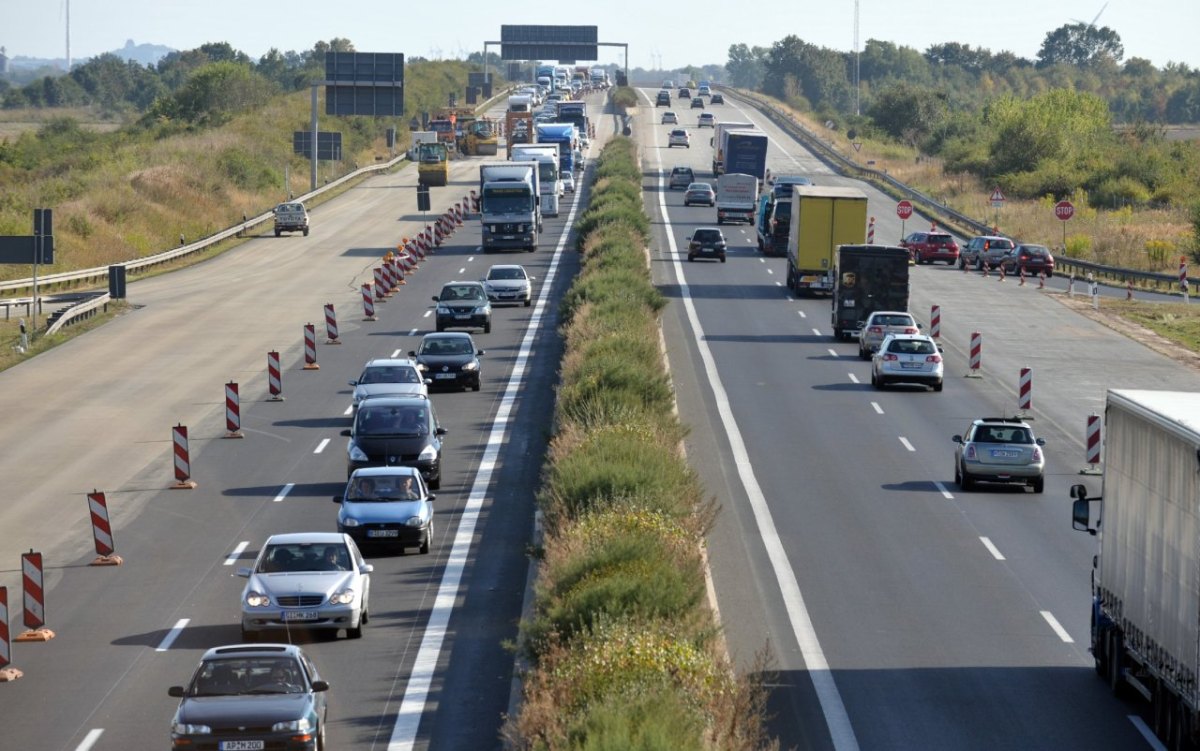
890,357
933,358
875,329
910,330
970,452
1037,454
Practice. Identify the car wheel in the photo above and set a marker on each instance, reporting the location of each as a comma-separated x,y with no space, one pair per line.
863,354
278,233
937,386
440,327
321,735
528,303
1039,484
691,257
306,231
962,263
435,483
487,327
979,264
355,633
425,542
874,379
965,481
722,258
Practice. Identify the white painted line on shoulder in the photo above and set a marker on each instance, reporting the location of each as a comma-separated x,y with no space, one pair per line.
90,739
907,445
832,352
283,493
470,258
321,446
172,635
236,552
349,409
778,284
992,548
853,378
877,408
1058,629
942,489
770,271
1146,733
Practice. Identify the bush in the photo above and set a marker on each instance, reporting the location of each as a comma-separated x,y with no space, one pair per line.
1121,191
624,98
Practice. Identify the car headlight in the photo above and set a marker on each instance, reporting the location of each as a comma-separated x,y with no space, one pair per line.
345,597
302,725
471,366
415,521
183,728
350,521
481,310
257,600
428,454
442,310
356,454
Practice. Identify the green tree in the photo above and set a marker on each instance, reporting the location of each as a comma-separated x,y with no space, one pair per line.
908,113
1080,44
745,66
218,90
1060,128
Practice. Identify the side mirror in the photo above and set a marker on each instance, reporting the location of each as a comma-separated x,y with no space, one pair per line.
957,439
243,571
431,497
1081,515
366,568
346,432
434,298
940,348
352,383
440,431
319,686
412,353
176,691
1040,441
480,353
1078,492
337,499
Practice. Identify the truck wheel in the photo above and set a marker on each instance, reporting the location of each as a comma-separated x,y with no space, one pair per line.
1116,681
278,233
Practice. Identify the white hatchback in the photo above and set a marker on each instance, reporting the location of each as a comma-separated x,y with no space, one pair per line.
908,358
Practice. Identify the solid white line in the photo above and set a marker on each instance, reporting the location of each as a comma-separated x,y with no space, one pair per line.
411,332
878,409
172,635
992,548
90,739
907,445
283,492
1058,629
236,552
420,679
840,730
945,493
853,378
1147,733
321,446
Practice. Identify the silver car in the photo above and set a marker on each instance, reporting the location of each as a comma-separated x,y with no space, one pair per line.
306,581
908,358
508,283
388,375
999,449
879,325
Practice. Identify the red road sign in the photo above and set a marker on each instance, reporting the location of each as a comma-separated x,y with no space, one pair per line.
997,196
1064,210
904,209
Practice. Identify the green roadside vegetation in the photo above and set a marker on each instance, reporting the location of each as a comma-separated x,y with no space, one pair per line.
622,646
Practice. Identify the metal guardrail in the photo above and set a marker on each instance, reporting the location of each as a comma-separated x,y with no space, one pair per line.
79,311
946,216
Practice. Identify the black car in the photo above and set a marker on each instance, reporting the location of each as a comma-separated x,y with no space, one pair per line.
253,697
393,431
449,359
463,304
717,99
697,103
707,242
663,99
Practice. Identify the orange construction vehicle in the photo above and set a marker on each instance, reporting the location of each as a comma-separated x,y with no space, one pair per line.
518,128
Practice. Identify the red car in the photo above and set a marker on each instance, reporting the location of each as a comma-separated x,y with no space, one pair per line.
1035,259
927,247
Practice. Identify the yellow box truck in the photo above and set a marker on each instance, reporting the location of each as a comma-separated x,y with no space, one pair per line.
822,219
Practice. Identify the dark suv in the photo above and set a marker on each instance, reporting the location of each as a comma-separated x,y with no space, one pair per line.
706,242
985,251
393,431
928,247
663,99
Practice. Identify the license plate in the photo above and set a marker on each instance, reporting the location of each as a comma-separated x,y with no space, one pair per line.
508,237
1005,454
242,745
443,375
299,615
383,533
910,365
462,317
808,279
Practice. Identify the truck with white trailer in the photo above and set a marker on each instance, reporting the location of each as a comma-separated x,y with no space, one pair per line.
549,178
509,206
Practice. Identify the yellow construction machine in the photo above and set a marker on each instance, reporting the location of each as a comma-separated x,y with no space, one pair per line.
433,164
480,137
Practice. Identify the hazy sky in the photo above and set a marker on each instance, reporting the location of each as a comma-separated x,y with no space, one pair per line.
673,31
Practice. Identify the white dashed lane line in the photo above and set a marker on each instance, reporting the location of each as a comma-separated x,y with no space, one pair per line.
877,408
236,552
853,378
325,441
283,493
816,332
832,352
907,445
172,635
90,739
992,548
1058,629
802,315
942,489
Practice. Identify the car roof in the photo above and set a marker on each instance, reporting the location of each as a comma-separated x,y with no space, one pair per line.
252,650
700,185
506,266
447,335
393,398
451,284
1000,421
680,170
392,471
892,313
313,537
383,362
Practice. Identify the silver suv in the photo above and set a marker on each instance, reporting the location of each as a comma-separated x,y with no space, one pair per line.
999,449
985,251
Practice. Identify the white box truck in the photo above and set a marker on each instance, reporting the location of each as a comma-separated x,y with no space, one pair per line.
546,155
737,197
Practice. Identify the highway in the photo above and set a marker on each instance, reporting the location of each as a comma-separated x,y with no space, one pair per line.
96,413
898,611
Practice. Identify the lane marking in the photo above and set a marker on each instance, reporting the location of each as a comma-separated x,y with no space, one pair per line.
778,284
90,739
816,332
427,314
172,635
399,352
802,313
832,707
420,678
832,352
324,442
853,378
470,259
945,492
907,445
770,271
349,410
463,270
283,493
1058,629
236,552
1147,733
877,408
992,548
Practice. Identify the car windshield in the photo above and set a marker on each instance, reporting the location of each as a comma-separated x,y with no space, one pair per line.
304,557
462,292
454,346
1002,434
392,419
248,675
506,200
912,347
513,273
1035,250
389,374
383,488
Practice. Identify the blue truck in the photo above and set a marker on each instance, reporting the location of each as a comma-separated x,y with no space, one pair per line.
566,136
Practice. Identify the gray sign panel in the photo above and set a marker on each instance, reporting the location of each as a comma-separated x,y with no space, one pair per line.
329,144
364,83
478,79
548,43
24,249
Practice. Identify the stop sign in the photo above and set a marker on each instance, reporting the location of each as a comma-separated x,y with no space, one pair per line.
1064,210
904,209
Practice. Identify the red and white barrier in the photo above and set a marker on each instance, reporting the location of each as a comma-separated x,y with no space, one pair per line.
1093,440
871,231
274,377
1025,390
182,459
34,599
1183,280
1002,272
474,202
102,534
331,327
397,273
380,285
6,673
389,277
368,304
458,214
976,360
233,411
935,321
310,347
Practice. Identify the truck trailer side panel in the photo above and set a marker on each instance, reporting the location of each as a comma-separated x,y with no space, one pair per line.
822,218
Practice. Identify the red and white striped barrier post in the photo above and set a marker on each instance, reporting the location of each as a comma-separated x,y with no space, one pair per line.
1183,280
34,589
1025,392
274,377
437,234
474,202
368,304
1092,441
310,347
458,219
233,412
1022,270
397,274
331,327
102,531
976,360
6,673
182,459
1042,279
935,321
1002,272
871,231
1129,290
380,285
389,277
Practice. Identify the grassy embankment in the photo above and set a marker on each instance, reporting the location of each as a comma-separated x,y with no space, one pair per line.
623,647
